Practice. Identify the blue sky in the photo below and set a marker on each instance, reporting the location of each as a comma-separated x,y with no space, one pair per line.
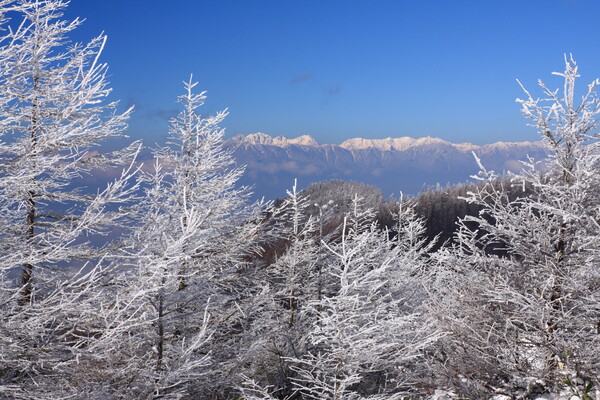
342,69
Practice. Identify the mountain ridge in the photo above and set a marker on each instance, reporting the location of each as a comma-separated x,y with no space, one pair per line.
394,164
400,143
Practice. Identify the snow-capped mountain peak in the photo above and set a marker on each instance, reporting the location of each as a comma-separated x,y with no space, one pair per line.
387,144
304,140
257,138
264,139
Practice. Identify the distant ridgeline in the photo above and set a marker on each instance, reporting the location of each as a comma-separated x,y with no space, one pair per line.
393,164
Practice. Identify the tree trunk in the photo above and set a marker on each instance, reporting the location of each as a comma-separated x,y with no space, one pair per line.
31,206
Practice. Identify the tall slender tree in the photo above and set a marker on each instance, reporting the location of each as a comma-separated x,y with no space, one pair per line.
523,282
55,114
293,280
184,274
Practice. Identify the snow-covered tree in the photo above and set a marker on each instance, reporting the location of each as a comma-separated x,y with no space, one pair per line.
521,291
294,270
155,332
184,274
292,281
369,328
54,116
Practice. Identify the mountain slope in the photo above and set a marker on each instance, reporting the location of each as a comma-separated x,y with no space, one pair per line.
393,164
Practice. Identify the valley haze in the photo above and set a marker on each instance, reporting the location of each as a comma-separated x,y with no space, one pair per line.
395,165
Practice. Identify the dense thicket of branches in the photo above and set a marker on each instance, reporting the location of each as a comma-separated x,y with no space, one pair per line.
168,284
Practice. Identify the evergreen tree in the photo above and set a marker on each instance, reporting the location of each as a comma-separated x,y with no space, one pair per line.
181,293
521,288
54,116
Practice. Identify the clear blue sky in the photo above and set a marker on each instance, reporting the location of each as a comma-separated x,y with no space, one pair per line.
341,69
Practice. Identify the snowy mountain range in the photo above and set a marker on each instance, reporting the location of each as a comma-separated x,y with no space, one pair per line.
393,164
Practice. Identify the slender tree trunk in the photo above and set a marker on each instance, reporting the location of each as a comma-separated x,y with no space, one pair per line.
161,332
31,205
28,268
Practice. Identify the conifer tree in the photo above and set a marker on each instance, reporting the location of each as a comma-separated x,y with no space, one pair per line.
367,328
55,114
522,289
181,293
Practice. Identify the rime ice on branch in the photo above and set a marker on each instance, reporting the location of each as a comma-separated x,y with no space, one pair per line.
54,115
522,284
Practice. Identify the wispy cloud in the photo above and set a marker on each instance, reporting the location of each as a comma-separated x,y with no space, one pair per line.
334,90
301,78
161,113
131,102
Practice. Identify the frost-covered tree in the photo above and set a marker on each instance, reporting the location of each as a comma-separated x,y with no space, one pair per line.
292,280
53,118
54,115
521,290
179,301
368,328
294,271
154,331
